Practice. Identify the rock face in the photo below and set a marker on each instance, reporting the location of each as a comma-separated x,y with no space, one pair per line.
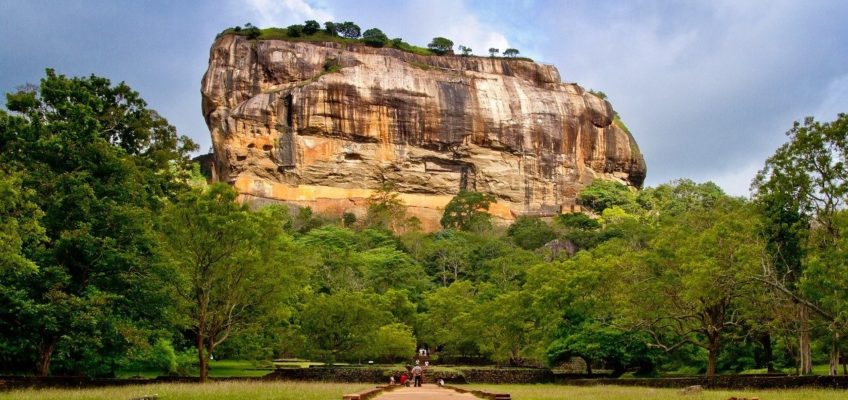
324,124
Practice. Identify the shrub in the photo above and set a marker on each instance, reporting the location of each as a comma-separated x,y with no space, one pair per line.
331,28
311,27
375,38
510,52
440,45
295,30
466,51
348,29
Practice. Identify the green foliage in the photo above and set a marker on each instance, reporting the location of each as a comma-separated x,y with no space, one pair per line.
440,45
466,51
577,221
310,27
93,165
251,31
331,28
226,265
493,52
530,232
385,208
393,342
510,52
20,226
467,212
602,194
348,29
294,31
342,326
374,37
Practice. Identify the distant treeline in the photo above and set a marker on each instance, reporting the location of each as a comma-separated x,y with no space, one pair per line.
349,32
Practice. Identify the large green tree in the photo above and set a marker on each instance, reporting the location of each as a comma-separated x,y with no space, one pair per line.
695,276
801,190
97,162
227,266
467,211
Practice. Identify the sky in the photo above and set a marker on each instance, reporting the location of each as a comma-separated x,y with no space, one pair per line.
708,88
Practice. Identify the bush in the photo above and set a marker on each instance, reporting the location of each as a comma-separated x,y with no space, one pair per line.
602,194
440,45
375,38
311,27
530,233
295,30
510,52
348,29
331,28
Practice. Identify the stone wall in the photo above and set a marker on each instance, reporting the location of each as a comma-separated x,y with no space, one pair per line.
723,382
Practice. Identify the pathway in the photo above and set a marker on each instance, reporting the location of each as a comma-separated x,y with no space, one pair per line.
426,392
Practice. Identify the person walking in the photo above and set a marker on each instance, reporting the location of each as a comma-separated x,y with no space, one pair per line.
417,373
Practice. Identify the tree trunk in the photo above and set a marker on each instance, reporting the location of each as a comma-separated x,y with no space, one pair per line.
805,356
768,354
588,366
45,353
834,355
202,361
713,354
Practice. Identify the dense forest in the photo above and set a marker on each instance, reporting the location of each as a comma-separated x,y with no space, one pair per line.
115,254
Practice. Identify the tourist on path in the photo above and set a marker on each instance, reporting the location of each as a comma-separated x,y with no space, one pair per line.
416,375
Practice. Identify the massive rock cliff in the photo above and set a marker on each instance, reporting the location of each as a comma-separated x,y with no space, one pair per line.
324,124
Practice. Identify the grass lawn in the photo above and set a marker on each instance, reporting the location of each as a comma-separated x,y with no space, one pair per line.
195,391
558,392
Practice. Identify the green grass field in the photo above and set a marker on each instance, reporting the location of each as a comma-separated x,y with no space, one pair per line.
193,391
558,392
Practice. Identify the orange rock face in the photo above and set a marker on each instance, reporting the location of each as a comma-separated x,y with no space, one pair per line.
324,124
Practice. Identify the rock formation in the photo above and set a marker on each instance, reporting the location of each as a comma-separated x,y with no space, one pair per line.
324,124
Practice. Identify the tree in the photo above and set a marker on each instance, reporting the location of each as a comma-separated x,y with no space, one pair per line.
294,31
311,27
801,189
449,322
252,31
227,265
530,233
97,163
493,52
602,194
510,52
385,208
467,211
440,45
374,37
393,342
693,281
20,225
348,29
510,327
342,326
331,28
466,51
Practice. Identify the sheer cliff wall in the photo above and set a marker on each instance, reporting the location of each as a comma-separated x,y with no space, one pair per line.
325,124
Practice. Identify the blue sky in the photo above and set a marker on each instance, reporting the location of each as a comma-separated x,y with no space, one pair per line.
707,87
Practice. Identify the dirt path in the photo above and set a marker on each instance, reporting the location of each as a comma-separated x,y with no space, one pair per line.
426,392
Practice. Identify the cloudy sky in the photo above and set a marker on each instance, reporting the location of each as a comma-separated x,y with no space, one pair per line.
707,87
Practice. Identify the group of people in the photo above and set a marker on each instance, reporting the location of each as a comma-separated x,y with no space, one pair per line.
417,373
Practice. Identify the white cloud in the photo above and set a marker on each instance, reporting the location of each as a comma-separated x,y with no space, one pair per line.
281,13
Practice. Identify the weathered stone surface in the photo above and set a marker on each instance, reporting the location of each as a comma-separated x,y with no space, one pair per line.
323,124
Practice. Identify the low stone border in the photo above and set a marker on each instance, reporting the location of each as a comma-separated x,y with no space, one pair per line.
482,393
369,393
722,382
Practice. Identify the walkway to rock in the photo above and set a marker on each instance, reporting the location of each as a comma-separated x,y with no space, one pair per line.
426,392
